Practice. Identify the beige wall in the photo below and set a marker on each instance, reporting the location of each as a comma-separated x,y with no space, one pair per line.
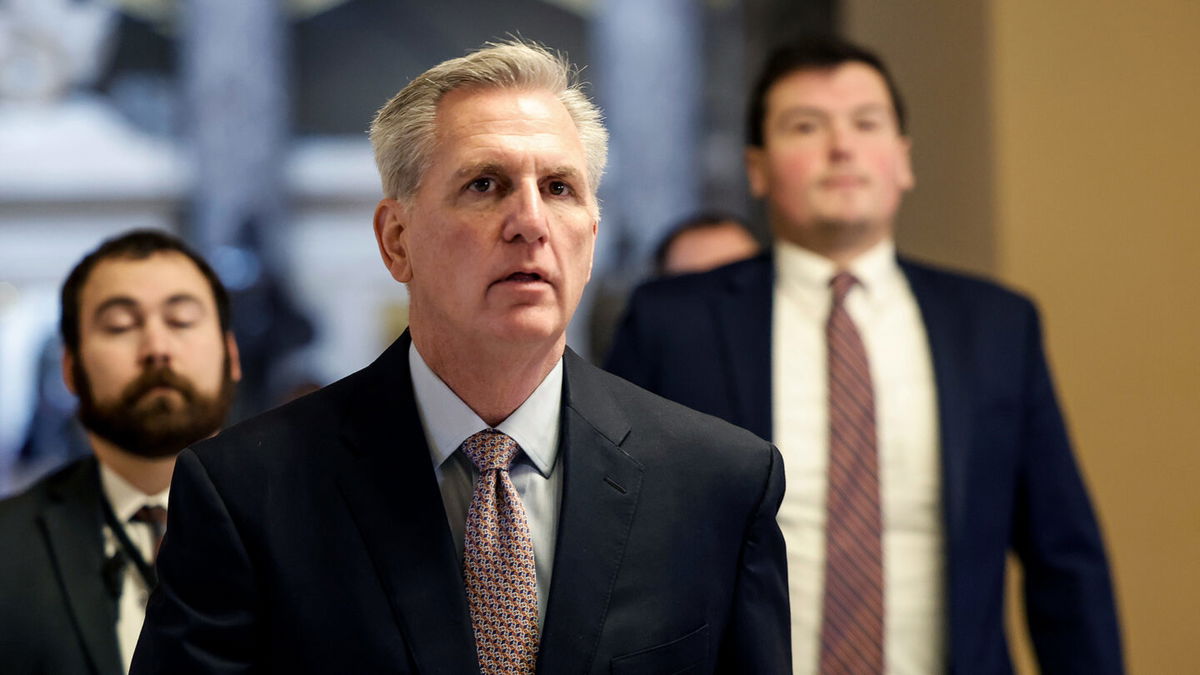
1074,127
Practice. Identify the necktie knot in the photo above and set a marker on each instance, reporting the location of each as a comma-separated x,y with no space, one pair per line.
154,516
841,283
490,450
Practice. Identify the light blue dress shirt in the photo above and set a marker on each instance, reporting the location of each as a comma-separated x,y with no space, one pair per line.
534,426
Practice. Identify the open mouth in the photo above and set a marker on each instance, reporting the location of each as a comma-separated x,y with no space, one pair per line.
523,276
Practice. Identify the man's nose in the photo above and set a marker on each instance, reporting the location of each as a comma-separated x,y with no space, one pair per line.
526,218
841,141
156,343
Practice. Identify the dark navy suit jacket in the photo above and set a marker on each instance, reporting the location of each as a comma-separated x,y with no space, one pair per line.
1010,482
313,539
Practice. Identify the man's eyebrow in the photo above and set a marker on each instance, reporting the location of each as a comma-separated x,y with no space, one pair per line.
126,302
119,301
565,171
183,298
803,110
479,168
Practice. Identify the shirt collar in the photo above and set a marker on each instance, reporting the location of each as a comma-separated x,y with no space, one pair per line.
799,268
124,497
449,421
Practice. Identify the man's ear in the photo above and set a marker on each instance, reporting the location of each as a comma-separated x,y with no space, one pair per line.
756,171
235,359
68,371
905,176
391,233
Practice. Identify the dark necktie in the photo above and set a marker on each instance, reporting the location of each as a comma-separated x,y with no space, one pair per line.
852,626
156,518
498,562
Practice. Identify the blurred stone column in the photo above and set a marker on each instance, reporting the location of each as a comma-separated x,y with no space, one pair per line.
234,68
649,65
233,57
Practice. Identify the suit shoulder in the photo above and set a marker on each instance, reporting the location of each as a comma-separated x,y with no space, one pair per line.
699,286
23,506
281,432
670,424
974,289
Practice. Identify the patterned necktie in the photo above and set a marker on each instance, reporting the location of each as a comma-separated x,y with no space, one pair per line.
156,518
852,630
498,563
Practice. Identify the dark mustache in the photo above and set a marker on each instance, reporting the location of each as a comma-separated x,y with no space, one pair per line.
161,376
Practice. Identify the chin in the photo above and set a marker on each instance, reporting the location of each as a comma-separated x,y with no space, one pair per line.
529,326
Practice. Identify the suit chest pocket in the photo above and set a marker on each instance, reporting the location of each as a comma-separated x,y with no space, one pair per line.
677,657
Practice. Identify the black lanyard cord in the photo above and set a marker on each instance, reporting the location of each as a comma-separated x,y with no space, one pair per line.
127,548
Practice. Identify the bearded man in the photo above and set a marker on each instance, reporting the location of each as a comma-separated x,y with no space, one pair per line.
148,351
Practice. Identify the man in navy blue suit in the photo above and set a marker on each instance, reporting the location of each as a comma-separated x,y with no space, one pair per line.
968,457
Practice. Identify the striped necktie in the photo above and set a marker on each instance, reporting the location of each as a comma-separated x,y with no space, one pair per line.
852,627
498,562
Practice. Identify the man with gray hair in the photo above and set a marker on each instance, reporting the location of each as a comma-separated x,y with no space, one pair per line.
479,499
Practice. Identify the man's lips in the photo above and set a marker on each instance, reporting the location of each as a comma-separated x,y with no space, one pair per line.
522,277
160,389
843,181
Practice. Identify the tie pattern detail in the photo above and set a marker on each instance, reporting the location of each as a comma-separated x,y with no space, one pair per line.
156,518
852,627
498,561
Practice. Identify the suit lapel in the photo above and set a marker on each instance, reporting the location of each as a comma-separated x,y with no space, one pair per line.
72,527
393,496
947,342
600,492
742,314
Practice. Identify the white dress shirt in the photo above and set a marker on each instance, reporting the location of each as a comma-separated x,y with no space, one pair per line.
131,608
534,426
889,321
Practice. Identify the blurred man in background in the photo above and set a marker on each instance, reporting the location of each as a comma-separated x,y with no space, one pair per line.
914,407
703,242
148,351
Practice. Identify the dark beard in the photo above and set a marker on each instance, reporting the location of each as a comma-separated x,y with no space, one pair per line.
159,427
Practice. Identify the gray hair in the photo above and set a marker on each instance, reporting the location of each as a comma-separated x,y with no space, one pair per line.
403,132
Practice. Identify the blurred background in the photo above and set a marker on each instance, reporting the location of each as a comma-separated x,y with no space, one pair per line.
1053,145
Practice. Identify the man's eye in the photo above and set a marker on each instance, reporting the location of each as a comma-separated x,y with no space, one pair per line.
558,188
482,184
868,124
115,322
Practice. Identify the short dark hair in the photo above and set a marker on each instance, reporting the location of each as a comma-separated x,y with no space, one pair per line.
698,221
814,54
133,245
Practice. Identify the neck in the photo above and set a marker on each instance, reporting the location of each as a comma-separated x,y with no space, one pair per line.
492,380
842,243
149,476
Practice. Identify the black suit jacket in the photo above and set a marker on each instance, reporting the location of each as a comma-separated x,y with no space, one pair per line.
313,539
57,615
1009,479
